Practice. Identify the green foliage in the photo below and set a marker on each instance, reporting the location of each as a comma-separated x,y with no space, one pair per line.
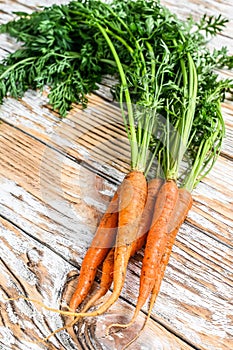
212,25
162,64
64,39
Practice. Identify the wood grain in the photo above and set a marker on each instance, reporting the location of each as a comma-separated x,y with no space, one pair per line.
56,178
23,157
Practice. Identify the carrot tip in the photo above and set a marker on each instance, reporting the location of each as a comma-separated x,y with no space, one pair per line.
119,325
62,312
68,325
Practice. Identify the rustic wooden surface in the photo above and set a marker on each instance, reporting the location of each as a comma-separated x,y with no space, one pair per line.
56,178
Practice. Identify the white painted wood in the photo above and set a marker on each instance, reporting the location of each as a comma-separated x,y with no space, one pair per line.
51,201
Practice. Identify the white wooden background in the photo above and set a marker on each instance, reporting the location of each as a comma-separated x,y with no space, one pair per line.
56,178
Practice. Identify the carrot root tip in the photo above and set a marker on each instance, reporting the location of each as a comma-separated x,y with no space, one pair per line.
41,304
118,325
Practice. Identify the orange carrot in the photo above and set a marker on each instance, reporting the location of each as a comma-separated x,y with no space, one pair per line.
183,205
155,245
157,239
106,280
108,265
179,214
132,199
102,242
146,219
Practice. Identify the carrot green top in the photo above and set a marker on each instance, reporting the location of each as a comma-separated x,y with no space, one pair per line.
168,89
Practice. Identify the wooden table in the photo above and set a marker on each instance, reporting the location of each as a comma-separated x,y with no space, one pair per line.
56,178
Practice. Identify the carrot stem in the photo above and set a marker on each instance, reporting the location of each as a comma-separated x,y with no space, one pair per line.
102,242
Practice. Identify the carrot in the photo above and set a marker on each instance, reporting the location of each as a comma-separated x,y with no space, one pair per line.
108,265
102,242
180,212
105,284
132,198
106,280
131,202
182,207
155,245
146,219
156,240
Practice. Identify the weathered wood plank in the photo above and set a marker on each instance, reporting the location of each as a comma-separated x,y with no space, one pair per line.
44,192
227,109
69,195
199,277
94,135
27,268
193,8
31,269
191,297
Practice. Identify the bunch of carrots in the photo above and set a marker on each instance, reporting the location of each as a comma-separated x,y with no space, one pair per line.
170,99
